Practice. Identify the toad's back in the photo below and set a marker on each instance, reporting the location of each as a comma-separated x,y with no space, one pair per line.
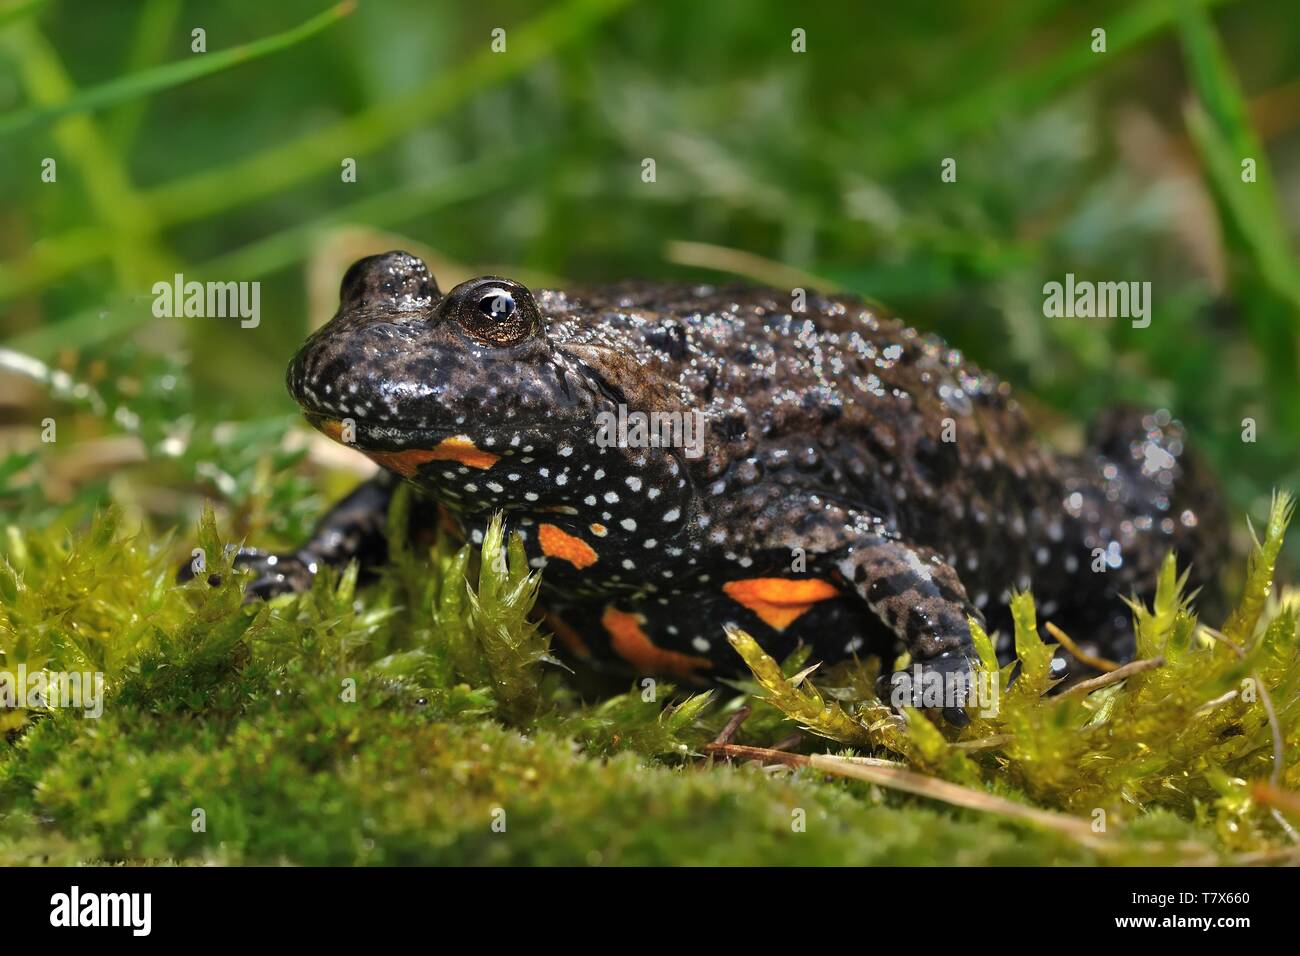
835,400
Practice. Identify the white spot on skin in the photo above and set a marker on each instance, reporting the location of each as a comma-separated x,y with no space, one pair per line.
919,567
701,644
564,451
633,482
672,514
629,564
629,524
611,498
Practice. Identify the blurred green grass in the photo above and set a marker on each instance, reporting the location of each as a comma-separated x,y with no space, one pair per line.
1117,165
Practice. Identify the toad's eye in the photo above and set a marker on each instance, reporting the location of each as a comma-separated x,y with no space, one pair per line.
495,311
497,304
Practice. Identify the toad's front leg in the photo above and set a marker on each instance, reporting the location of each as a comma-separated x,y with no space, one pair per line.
353,530
918,596
909,588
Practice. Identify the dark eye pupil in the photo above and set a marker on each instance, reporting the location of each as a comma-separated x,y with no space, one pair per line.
497,305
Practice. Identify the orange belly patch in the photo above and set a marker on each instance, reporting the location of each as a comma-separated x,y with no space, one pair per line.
461,448
558,543
330,427
570,638
779,601
449,526
630,642
458,448
403,462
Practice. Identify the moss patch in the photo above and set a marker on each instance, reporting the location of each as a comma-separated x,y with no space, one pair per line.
423,720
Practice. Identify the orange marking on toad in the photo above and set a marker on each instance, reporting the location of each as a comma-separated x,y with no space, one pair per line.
458,448
329,427
449,526
570,638
599,530
631,643
558,543
779,601
403,462
461,448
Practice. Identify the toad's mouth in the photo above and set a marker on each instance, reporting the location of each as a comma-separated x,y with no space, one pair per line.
416,448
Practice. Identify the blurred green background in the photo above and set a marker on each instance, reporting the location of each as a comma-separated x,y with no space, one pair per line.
819,168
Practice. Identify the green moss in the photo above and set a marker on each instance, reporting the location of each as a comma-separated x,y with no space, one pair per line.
408,721
1191,734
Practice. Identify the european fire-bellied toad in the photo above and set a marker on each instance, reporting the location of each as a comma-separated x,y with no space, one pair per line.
856,485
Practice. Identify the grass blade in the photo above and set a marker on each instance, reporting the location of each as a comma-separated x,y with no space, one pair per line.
278,167
172,74
16,10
